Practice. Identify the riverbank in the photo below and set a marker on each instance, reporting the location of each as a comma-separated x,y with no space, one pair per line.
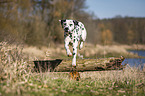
89,51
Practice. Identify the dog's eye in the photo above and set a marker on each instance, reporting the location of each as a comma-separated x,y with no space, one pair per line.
70,25
64,23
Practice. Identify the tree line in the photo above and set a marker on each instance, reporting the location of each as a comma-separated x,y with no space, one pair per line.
122,30
36,22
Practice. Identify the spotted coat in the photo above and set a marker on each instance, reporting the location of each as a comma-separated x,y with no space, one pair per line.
74,34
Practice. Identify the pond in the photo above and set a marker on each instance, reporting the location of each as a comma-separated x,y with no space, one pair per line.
136,61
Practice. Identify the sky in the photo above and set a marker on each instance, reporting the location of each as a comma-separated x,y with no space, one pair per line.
111,8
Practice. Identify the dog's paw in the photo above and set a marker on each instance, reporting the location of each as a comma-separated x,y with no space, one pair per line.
69,55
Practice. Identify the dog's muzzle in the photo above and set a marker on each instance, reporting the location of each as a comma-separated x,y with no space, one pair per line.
66,29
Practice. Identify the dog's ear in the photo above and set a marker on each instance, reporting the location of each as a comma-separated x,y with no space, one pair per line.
75,22
61,21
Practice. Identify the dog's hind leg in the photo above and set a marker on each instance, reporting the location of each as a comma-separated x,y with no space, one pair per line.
83,38
84,34
81,44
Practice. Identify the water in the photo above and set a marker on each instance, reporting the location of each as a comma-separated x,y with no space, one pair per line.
135,61
139,52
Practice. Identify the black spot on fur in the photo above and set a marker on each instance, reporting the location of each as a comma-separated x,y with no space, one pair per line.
70,35
75,22
74,40
74,53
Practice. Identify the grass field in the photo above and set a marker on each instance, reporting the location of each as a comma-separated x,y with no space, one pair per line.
17,78
129,82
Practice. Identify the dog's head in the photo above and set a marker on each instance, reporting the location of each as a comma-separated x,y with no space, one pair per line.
68,25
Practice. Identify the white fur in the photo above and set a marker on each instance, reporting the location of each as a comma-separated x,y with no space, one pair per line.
73,33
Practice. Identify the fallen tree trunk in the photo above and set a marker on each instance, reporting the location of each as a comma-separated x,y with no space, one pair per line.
92,64
59,65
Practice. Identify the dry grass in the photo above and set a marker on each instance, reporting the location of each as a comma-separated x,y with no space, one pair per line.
134,47
34,52
89,51
18,78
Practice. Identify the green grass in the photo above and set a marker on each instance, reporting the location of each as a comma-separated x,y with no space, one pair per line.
17,78
127,82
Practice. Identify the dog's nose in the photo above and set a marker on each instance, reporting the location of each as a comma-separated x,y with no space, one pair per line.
66,29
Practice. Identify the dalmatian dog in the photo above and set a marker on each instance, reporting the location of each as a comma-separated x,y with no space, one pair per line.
74,34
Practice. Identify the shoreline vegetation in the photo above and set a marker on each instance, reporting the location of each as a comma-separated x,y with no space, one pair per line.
89,51
18,78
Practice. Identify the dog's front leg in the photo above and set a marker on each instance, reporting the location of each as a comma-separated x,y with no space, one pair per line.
66,41
75,44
